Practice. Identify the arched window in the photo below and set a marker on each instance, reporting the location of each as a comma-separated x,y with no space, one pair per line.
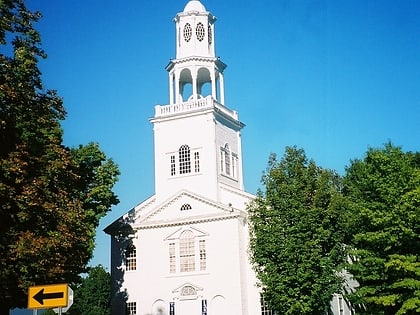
187,251
188,290
130,258
186,206
184,159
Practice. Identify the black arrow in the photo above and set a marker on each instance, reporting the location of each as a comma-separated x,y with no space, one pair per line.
41,296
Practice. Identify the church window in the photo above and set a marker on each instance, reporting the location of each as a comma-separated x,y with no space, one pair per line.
172,258
210,34
234,164
187,251
173,169
184,159
131,308
228,162
186,207
200,31
227,159
265,310
130,258
188,290
196,162
222,158
187,32
202,248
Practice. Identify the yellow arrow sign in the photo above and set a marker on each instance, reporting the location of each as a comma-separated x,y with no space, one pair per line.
48,296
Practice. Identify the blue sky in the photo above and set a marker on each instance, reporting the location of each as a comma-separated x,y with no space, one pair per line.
332,77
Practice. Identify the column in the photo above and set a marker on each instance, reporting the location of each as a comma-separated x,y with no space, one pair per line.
222,89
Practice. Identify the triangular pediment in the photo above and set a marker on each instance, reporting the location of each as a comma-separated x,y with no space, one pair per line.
177,234
182,208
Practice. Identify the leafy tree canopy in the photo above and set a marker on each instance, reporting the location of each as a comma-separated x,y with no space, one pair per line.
297,234
93,295
384,189
51,196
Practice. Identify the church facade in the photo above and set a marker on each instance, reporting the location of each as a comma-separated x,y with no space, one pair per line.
184,250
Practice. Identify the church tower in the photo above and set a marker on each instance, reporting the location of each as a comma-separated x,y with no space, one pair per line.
197,138
183,250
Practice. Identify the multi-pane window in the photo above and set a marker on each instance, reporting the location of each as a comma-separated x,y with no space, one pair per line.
186,206
131,308
184,159
188,290
187,251
265,310
196,162
228,162
222,159
202,248
227,159
172,258
173,166
234,164
130,258
200,31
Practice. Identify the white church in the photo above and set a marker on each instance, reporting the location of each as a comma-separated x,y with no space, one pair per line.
184,250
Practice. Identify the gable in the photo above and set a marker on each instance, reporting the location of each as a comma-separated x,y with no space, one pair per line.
184,207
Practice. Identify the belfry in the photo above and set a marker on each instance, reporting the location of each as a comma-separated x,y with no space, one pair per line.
184,250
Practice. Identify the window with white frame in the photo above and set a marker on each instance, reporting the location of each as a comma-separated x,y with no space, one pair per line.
173,166
228,162
226,152
187,251
130,258
234,164
131,308
196,162
188,290
185,161
172,258
186,206
265,310
203,258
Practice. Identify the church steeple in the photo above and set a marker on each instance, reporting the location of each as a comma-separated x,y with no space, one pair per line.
196,72
197,137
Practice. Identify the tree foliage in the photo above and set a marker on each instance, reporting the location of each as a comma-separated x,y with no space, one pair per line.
51,196
384,189
297,234
93,295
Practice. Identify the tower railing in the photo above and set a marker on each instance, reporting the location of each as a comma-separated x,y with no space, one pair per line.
193,105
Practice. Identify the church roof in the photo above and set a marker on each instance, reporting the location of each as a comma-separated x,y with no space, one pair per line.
194,5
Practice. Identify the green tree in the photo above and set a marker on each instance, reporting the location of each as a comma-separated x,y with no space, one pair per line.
297,234
384,190
93,295
51,196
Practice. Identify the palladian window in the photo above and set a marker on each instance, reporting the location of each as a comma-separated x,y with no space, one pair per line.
184,161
